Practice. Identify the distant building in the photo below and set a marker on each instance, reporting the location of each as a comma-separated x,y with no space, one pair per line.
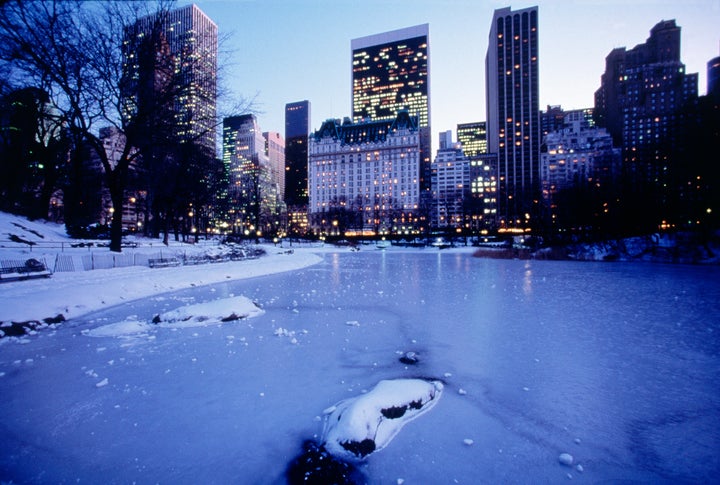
297,130
575,156
390,73
513,131
640,94
364,177
191,39
275,151
450,186
254,204
482,206
473,137
135,210
713,77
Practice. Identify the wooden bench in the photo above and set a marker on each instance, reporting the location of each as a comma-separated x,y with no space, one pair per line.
163,262
23,270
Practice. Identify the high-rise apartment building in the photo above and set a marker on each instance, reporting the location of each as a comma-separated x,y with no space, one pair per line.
481,206
578,156
275,151
450,185
254,203
473,137
297,129
713,77
513,131
640,94
187,49
390,73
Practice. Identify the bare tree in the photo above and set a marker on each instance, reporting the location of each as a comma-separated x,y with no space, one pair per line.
102,69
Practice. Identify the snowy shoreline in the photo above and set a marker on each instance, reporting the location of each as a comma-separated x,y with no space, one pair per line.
73,294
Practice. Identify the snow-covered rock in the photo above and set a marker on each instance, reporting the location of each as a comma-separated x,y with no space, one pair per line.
365,424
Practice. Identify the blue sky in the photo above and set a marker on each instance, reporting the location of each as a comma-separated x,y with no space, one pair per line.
283,51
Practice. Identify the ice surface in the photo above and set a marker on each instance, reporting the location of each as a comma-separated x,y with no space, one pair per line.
615,364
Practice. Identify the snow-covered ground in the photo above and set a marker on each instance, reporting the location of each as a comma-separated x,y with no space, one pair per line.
329,364
75,293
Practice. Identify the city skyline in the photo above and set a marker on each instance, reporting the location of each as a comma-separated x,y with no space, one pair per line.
306,52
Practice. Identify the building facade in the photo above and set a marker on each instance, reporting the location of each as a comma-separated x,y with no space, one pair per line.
254,203
187,51
578,155
512,89
297,131
364,177
473,137
275,151
640,94
390,73
482,206
713,77
450,186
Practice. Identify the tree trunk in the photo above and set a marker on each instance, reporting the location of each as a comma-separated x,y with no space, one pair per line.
116,225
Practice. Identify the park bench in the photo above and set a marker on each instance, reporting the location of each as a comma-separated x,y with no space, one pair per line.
13,270
163,262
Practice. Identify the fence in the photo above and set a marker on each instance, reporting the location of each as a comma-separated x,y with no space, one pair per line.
87,256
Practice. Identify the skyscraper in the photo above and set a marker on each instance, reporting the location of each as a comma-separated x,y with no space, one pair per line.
390,73
252,196
450,185
643,101
481,206
713,77
641,90
188,46
275,152
297,129
473,137
511,69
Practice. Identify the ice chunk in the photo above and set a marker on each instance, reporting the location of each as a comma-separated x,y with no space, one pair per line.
566,459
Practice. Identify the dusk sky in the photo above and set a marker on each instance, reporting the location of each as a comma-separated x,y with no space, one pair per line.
289,50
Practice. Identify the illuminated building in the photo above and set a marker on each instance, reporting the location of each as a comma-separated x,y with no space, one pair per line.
297,129
254,203
450,185
275,151
481,206
390,73
363,177
191,38
473,137
641,91
511,67
578,155
713,77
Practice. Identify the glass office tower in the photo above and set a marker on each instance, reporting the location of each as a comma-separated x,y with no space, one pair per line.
513,121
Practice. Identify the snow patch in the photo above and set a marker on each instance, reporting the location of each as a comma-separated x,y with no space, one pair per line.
202,314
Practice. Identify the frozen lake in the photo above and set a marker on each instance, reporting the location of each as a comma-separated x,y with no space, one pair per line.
615,364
